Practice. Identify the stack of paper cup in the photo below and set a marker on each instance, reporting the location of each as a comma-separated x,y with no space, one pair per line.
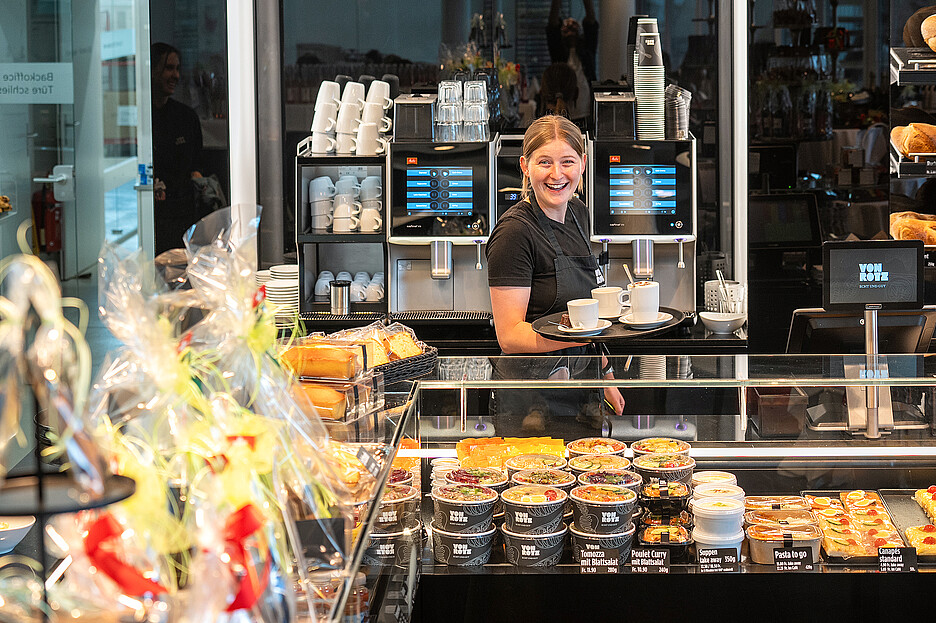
650,88
262,276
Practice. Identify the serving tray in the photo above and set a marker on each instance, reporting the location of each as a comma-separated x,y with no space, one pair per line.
853,560
905,512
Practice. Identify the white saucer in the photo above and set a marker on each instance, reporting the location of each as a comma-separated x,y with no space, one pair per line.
662,318
602,325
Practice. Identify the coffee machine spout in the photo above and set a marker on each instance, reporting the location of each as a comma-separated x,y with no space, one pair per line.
441,259
642,249
681,263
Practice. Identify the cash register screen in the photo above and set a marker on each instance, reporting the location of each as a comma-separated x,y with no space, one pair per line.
439,192
888,272
642,188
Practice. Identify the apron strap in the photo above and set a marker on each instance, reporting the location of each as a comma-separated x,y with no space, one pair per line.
544,220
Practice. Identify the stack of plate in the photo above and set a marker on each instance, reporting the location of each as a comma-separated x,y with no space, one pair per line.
283,295
285,271
653,367
649,83
261,277
677,112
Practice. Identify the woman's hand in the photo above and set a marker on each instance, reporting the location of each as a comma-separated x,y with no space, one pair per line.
615,399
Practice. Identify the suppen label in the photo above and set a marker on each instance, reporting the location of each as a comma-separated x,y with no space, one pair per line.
897,559
596,559
718,560
648,560
793,559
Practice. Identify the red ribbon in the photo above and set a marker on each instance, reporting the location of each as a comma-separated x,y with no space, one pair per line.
238,526
250,439
100,544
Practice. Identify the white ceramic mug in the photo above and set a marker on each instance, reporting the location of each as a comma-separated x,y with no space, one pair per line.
353,93
583,313
345,205
329,93
345,143
321,188
371,187
349,117
344,223
347,184
373,112
362,276
374,291
369,142
644,300
321,143
610,301
379,93
372,204
370,220
322,206
325,118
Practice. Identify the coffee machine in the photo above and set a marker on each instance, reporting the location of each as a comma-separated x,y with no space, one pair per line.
642,196
439,217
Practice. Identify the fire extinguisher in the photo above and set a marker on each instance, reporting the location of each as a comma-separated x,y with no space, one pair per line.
47,220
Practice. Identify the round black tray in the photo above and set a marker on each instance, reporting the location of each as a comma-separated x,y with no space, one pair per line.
60,494
547,326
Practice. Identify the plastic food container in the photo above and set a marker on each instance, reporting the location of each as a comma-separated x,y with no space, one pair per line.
533,509
398,509
595,445
775,502
664,467
719,517
675,498
676,538
463,508
546,477
462,550
763,540
780,519
533,461
621,477
705,540
656,519
620,540
718,490
700,478
394,548
602,509
592,462
534,550
659,445
484,476
400,476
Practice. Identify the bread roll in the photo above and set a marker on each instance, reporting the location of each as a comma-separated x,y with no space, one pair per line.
913,226
919,138
322,360
912,32
928,30
329,403
898,133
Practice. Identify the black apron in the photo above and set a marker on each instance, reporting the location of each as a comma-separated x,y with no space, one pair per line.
567,413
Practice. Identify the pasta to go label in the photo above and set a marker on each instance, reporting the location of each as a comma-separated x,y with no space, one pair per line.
794,559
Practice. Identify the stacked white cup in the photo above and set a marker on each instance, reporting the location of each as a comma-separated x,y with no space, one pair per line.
321,192
325,118
322,287
375,289
376,109
371,190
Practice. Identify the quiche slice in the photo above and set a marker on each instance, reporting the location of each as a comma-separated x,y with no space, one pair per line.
819,502
923,538
927,499
873,539
861,499
845,544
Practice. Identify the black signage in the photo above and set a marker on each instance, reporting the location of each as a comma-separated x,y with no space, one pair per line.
596,559
649,560
897,559
322,539
718,560
370,463
794,559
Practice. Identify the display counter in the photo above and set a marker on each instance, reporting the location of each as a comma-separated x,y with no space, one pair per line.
780,425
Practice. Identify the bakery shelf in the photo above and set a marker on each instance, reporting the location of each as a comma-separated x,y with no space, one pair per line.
919,165
912,66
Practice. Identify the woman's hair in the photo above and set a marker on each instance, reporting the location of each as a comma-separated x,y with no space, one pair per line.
545,129
559,80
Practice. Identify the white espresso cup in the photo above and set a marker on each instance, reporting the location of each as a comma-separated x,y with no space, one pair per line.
344,223
345,205
329,93
373,204
347,184
371,187
320,220
583,313
325,118
321,143
644,300
349,117
369,142
321,188
370,220
610,300
379,93
345,143
353,93
373,112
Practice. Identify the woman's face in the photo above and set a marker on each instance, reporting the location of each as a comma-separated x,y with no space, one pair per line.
554,171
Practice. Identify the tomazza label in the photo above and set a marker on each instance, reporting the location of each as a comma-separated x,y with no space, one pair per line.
36,83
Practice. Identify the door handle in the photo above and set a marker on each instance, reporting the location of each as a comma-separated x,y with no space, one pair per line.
55,179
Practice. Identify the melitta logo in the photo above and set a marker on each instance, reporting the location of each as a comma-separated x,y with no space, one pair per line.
412,160
871,272
615,158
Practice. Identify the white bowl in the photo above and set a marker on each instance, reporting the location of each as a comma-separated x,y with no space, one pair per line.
14,533
722,323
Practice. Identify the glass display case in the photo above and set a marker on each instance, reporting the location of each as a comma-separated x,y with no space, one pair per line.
787,426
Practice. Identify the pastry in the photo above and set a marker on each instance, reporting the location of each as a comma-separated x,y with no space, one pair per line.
913,226
861,499
322,360
928,30
923,538
927,499
401,345
329,403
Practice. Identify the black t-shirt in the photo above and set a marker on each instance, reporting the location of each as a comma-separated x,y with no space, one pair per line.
519,253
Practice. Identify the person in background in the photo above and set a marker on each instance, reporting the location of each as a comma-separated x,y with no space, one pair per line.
539,258
558,88
577,45
177,146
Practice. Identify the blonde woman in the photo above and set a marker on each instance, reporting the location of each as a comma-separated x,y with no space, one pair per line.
539,258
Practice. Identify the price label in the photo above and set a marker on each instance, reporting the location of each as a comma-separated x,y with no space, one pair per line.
794,559
370,463
649,560
897,559
596,559
718,560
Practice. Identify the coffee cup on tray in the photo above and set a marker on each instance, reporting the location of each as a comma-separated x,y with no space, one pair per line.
644,299
583,313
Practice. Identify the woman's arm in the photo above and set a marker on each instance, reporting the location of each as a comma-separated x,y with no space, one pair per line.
514,334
